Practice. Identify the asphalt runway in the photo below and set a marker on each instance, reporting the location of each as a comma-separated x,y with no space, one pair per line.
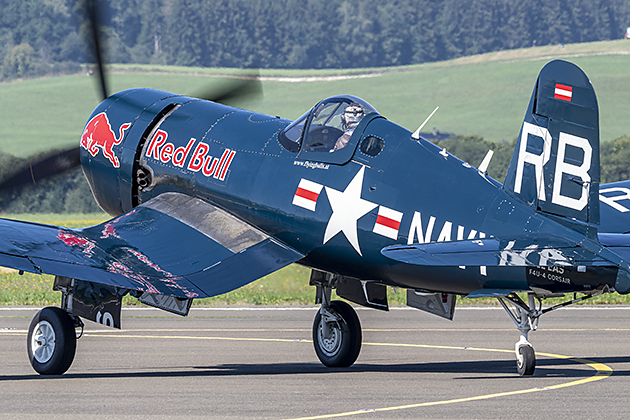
260,363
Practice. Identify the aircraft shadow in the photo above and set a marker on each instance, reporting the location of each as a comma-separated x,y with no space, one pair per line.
502,369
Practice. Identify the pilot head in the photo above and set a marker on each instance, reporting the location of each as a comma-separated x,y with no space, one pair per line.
352,115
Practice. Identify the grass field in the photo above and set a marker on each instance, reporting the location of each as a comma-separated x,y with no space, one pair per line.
485,95
288,286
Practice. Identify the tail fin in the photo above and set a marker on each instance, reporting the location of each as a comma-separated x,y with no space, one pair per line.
555,165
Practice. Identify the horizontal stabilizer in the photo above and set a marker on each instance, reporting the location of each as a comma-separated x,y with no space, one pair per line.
618,243
614,201
491,252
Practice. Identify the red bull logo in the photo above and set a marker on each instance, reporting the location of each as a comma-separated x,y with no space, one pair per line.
200,159
98,134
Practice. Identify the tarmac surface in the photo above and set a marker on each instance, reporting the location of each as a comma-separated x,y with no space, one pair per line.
259,363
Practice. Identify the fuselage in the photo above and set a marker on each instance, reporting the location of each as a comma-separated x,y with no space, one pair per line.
339,212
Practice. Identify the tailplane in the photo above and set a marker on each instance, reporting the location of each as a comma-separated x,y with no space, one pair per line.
555,165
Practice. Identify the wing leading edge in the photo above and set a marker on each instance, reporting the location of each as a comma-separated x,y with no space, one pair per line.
173,245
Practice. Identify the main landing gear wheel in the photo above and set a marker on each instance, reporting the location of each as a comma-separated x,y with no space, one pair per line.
52,341
337,335
525,360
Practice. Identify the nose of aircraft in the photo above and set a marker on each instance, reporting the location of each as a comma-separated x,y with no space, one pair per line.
110,140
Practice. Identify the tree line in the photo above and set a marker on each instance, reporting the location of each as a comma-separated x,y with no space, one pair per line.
39,36
70,192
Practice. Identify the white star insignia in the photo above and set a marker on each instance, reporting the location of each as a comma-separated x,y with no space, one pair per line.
348,207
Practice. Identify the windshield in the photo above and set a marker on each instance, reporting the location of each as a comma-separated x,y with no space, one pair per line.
291,136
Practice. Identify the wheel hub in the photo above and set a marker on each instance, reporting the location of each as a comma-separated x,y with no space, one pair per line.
43,342
329,336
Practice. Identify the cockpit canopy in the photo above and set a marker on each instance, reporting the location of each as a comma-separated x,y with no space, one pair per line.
328,126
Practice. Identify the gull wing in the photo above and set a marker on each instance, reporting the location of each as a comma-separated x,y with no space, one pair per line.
174,245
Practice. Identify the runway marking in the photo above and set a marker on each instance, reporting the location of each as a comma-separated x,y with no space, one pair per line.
602,371
188,337
315,308
114,331
364,330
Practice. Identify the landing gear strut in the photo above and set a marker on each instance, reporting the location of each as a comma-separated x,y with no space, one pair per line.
525,316
336,331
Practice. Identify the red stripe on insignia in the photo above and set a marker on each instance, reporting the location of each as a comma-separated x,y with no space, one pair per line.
563,92
309,195
387,222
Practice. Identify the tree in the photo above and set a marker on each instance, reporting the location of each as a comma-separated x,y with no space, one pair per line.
19,61
149,46
303,33
615,156
355,35
186,46
473,149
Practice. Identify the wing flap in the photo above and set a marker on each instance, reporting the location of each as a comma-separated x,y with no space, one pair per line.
18,263
244,267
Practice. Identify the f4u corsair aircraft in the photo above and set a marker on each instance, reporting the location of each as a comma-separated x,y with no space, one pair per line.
207,198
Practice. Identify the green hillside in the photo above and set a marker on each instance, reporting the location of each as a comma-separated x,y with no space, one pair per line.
484,95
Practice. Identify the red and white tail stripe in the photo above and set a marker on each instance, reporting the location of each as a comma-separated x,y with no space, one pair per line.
563,92
387,222
307,194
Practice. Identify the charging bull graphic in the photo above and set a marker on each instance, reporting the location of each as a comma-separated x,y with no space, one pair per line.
98,133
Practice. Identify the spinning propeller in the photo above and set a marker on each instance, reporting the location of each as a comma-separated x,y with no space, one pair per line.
58,162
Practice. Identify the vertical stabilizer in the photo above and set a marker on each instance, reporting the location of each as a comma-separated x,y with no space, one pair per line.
555,165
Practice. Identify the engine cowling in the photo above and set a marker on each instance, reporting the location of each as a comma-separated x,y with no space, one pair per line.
112,141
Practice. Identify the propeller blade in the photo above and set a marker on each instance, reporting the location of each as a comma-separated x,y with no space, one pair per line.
68,159
234,91
92,17
49,166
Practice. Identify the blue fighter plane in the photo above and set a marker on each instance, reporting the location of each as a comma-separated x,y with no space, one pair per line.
206,198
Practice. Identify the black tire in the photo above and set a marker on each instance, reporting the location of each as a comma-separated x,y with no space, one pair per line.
526,364
51,342
339,346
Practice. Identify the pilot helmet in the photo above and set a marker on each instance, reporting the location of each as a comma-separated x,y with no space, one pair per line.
353,114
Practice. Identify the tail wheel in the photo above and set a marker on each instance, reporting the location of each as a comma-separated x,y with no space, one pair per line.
51,342
526,360
337,343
